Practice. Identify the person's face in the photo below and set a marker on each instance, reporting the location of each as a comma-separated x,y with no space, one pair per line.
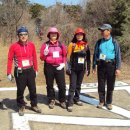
105,33
53,36
79,36
23,36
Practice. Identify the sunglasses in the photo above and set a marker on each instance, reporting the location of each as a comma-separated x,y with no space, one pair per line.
105,30
24,34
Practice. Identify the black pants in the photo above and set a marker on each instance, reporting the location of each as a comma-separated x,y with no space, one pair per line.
76,79
106,76
52,73
23,79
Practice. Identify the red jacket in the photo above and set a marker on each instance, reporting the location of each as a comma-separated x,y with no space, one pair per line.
24,56
61,49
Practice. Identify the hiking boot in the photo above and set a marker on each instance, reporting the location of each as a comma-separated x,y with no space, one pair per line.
36,109
100,105
21,110
63,105
52,104
109,106
70,109
79,103
4,107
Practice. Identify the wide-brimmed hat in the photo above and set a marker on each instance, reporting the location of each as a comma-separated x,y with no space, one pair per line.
53,30
79,30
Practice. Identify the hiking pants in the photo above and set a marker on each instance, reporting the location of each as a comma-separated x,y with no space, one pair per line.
106,76
76,79
52,73
23,79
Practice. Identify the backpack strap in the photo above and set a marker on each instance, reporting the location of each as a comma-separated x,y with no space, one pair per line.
59,43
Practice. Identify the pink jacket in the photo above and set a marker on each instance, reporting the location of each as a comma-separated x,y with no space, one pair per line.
50,59
19,53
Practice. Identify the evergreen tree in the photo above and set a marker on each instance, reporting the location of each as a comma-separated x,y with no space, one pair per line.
119,17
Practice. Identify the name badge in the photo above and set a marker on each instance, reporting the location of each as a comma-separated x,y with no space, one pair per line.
81,60
25,63
55,54
102,57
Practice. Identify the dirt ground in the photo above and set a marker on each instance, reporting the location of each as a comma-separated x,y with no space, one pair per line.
121,99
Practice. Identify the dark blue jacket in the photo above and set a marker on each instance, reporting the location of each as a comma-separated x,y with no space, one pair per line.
117,54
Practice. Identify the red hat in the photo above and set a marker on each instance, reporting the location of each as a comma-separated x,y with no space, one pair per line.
79,30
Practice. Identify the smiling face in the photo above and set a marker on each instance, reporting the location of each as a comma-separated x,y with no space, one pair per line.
23,37
53,36
79,36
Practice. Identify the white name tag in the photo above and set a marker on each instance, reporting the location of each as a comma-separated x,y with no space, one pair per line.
55,54
102,57
81,60
25,63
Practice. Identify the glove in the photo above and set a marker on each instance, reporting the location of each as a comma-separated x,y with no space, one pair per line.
10,77
88,73
46,50
61,66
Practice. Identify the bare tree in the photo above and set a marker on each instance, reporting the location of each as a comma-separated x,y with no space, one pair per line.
10,15
56,16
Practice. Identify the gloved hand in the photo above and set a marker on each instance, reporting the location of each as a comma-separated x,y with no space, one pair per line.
10,77
88,72
46,50
61,66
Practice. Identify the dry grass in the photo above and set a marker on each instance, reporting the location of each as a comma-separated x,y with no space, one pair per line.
125,75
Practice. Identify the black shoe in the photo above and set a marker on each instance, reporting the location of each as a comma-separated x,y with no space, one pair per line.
52,104
21,110
36,109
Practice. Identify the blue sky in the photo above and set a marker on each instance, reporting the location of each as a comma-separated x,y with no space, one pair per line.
52,2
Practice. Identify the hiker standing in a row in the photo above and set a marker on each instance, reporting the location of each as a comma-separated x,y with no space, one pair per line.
53,53
23,53
107,57
78,57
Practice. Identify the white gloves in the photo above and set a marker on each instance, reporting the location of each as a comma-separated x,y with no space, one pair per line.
9,77
61,66
46,50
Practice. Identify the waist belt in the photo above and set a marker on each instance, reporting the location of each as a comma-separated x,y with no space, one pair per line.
27,68
51,64
107,61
